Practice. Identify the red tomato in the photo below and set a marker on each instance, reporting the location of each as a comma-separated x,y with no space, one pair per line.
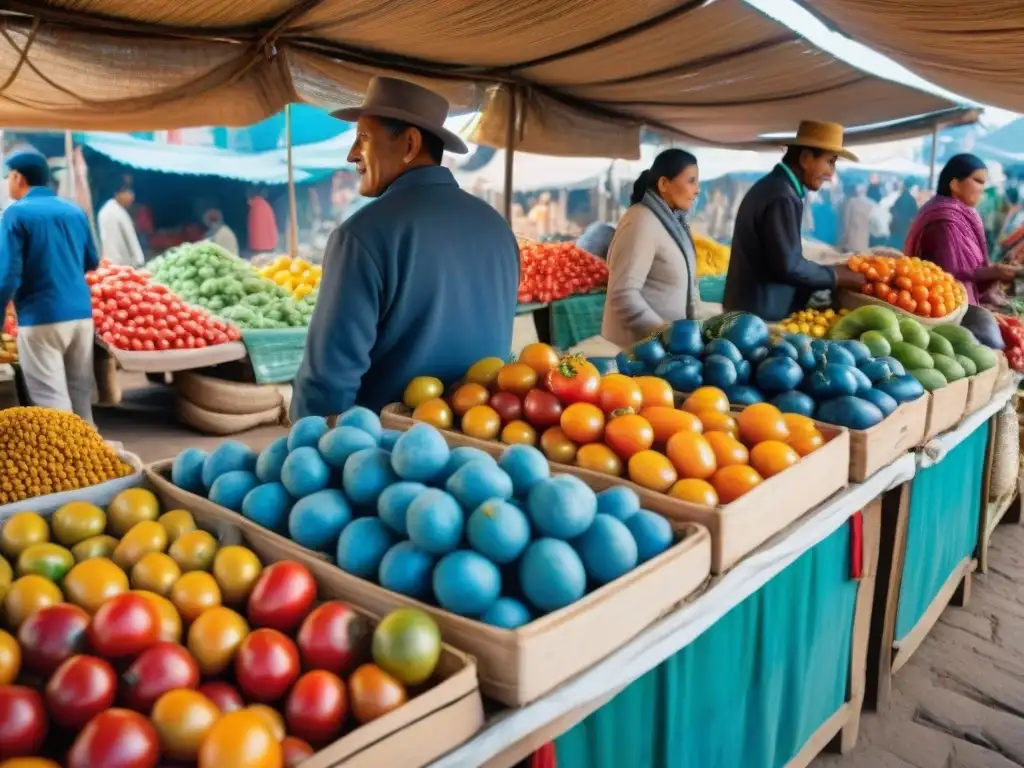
266,665
81,688
22,721
124,626
317,707
157,670
282,596
224,695
574,380
374,693
333,637
507,405
541,409
52,635
295,751
117,738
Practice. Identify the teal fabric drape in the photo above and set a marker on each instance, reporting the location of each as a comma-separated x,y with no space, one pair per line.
944,514
747,693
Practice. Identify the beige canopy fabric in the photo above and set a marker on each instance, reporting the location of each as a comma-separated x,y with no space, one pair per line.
584,75
973,49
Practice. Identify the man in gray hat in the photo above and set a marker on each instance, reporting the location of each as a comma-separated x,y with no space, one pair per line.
420,282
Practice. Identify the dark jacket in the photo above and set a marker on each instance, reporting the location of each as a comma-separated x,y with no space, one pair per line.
768,274
420,282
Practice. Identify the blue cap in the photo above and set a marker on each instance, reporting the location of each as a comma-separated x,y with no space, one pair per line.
27,160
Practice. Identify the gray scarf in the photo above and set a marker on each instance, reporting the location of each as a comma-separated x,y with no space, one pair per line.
675,223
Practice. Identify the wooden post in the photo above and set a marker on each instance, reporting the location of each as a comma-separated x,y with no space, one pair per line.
934,157
69,163
510,149
293,219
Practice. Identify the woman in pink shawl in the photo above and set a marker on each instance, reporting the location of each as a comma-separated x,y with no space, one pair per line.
949,231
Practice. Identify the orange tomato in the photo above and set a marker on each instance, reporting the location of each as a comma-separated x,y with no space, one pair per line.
903,283
920,293
27,595
557,446
695,491
582,422
893,298
170,619
797,423
871,275
629,434
618,392
653,470
485,371
771,457
691,454
868,289
713,421
481,421
240,739
924,308
855,263
667,421
194,593
900,267
94,581
599,458
469,395
732,482
155,572
541,357
728,450
655,391
214,637
806,442
517,378
271,718
760,422
882,290
10,658
939,309
705,399
435,412
516,432
182,718
908,305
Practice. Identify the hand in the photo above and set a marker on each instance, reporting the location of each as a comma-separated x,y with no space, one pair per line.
847,278
1006,273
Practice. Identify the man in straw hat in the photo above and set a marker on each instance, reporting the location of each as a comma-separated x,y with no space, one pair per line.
420,282
768,274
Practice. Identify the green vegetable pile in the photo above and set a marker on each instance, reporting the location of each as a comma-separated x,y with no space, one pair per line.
206,275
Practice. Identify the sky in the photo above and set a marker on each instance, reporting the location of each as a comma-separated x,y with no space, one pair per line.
853,53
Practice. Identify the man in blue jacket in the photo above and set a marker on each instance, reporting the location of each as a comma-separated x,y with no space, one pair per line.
46,247
420,282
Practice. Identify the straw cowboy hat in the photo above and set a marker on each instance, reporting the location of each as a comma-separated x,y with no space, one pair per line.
410,103
827,136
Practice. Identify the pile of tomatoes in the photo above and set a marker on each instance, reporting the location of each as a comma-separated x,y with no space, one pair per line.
172,648
619,425
912,284
552,271
132,313
1013,336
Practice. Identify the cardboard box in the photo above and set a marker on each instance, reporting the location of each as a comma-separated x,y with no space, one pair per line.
946,408
427,726
736,529
979,389
518,666
903,430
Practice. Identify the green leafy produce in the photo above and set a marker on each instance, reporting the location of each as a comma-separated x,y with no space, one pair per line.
205,274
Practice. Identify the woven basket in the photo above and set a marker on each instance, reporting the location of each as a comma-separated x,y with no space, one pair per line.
851,300
1005,454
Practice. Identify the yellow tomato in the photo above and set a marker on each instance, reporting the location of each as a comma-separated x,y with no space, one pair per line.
28,595
94,581
177,523
10,659
194,593
214,638
236,570
155,572
194,551
182,718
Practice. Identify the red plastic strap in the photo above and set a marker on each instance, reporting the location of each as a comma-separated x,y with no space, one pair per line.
856,545
544,757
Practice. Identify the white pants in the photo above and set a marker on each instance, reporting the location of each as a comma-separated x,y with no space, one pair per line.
56,361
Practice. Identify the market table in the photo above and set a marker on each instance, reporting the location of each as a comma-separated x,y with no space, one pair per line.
763,669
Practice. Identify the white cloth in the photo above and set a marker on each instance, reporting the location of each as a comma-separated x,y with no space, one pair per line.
226,239
56,361
118,241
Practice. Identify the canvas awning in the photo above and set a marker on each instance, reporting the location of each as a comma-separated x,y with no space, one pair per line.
586,73
973,49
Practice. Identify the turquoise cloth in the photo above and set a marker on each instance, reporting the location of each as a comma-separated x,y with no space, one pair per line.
274,354
575,319
945,510
749,692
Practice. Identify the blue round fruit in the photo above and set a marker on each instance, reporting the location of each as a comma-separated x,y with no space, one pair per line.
507,613
316,521
744,370
231,488
743,395
459,457
652,533
304,472
618,501
307,432
607,549
362,546
270,461
782,349
341,442
393,503
650,351
420,455
685,374
885,403
466,583
268,505
725,348
478,481
364,419
526,466
683,338
561,507
794,402
435,522
747,332
229,456
389,437
367,473
719,371
406,570
552,575
187,470
863,382
778,374
498,530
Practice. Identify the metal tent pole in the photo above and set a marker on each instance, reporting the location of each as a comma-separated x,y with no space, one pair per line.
69,164
510,150
293,219
934,156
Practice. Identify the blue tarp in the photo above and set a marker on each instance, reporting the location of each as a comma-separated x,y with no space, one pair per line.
309,125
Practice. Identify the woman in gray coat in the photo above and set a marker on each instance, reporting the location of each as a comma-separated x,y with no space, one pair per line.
652,262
